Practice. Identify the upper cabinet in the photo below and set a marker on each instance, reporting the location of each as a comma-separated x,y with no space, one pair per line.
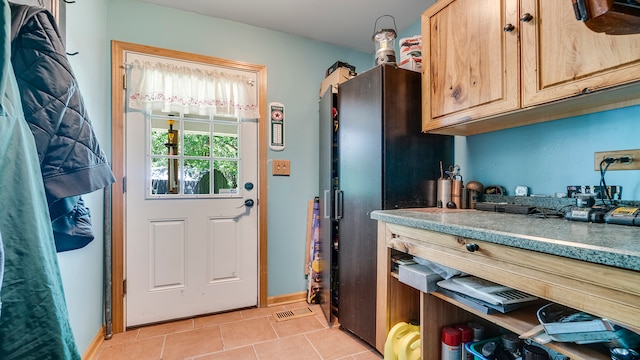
562,57
474,64
499,64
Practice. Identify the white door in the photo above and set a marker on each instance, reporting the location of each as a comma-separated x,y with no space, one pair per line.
191,238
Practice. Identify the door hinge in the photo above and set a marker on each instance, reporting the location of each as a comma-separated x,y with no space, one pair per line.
124,287
124,185
124,81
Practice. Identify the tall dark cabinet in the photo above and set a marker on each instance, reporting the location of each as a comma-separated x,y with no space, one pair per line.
328,181
379,159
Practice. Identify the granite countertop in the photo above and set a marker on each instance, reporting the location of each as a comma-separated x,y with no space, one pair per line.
608,244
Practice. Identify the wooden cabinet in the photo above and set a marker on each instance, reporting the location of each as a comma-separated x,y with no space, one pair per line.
604,291
561,57
474,64
492,64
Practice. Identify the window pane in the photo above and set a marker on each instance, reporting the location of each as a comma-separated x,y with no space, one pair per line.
197,138
197,155
196,177
226,176
225,141
165,137
165,176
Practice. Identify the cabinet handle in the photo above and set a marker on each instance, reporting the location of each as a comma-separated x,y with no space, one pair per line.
472,247
526,18
339,204
508,28
327,204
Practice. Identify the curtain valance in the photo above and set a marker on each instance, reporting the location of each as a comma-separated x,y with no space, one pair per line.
168,87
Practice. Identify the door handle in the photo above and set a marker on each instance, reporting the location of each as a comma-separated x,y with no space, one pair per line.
248,204
339,204
327,204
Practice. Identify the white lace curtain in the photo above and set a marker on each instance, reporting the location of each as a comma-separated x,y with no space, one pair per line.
169,88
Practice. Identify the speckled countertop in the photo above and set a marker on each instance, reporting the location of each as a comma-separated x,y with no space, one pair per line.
609,244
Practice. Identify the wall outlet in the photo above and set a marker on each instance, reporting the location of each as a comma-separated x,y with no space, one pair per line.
633,165
282,167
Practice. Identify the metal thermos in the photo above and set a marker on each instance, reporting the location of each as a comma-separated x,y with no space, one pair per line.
456,193
431,193
444,192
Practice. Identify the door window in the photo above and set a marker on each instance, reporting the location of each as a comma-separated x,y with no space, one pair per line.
192,156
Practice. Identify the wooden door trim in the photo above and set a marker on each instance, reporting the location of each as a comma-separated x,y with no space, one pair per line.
118,49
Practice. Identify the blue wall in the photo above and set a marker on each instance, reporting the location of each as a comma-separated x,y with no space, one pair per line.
82,269
549,156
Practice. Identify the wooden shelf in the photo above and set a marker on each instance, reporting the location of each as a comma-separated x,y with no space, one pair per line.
600,290
522,320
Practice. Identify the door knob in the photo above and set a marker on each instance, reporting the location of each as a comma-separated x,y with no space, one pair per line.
508,28
471,247
249,203
526,18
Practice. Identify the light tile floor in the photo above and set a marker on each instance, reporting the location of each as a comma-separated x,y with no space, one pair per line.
252,334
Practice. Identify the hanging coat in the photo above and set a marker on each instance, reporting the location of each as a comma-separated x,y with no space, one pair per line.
34,323
71,159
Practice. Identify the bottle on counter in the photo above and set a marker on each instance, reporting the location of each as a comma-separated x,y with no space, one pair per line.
457,188
444,192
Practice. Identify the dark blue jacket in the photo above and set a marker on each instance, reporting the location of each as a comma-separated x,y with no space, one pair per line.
70,155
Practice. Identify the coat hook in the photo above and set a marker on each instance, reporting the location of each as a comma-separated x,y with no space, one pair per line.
73,53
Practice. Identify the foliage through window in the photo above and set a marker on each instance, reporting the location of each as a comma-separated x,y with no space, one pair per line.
195,156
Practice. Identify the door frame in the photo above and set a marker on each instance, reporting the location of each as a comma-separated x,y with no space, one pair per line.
118,241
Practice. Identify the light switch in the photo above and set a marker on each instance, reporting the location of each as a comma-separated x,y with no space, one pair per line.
280,168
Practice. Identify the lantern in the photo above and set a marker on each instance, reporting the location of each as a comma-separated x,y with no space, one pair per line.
385,42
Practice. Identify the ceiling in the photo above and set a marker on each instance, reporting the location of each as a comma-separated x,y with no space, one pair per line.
347,23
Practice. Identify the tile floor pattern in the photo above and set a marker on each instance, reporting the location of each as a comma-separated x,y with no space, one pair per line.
251,334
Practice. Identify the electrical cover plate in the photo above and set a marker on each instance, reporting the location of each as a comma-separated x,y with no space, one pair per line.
634,165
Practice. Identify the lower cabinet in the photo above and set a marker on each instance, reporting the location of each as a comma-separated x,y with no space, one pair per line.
604,291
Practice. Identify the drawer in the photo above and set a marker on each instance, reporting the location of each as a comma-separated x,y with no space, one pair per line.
601,290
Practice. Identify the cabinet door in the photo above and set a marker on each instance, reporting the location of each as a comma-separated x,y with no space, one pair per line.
361,181
473,62
561,57
326,192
